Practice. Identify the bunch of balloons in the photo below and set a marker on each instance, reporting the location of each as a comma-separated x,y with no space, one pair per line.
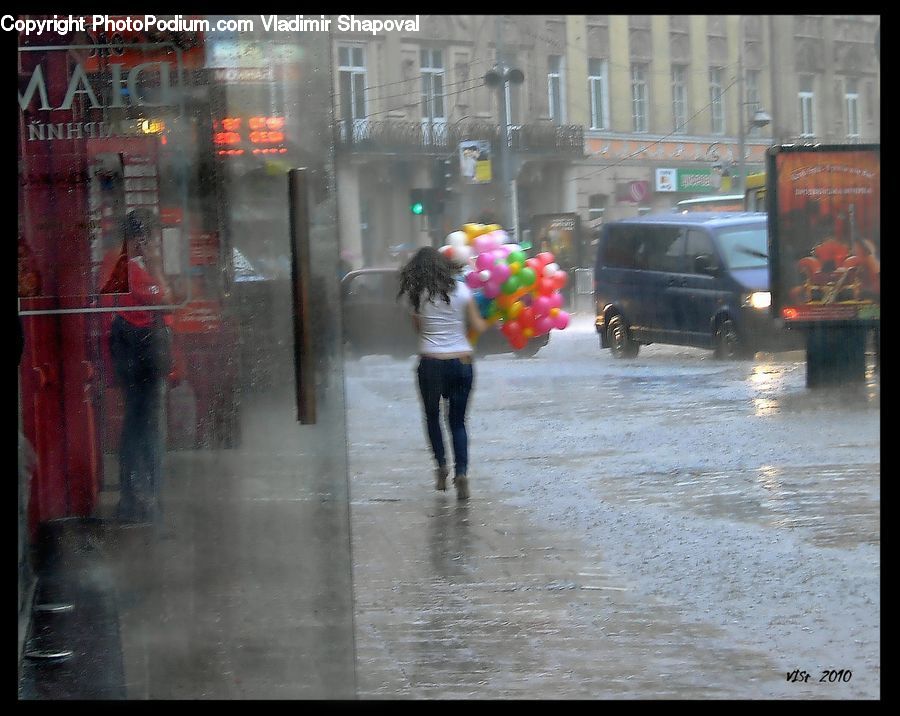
522,293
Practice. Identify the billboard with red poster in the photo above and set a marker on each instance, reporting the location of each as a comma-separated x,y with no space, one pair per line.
824,208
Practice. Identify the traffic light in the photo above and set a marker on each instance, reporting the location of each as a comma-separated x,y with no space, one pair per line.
434,204
417,202
442,173
427,202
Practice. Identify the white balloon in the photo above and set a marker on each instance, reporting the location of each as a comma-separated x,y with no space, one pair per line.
484,275
457,238
502,236
462,253
551,269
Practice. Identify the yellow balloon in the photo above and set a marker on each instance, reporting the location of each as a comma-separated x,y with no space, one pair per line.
514,310
554,312
515,267
528,332
491,227
473,230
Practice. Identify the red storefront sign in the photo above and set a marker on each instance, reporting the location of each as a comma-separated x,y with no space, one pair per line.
204,248
106,36
633,192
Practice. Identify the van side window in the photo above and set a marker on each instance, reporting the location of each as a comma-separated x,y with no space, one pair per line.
663,249
699,243
620,247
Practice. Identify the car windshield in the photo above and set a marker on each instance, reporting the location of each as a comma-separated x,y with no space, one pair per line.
744,247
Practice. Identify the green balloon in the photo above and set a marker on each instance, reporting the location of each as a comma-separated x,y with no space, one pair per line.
527,277
516,257
511,285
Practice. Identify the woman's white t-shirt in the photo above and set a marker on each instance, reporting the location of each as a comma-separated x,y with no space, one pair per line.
442,326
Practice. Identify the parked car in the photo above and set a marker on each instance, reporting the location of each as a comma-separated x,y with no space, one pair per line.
695,279
376,322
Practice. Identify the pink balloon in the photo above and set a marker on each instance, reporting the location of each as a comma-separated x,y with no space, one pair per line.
542,305
562,320
484,261
500,272
556,300
491,289
484,243
545,257
473,280
543,325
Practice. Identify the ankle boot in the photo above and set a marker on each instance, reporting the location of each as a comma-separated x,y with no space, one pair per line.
440,482
462,487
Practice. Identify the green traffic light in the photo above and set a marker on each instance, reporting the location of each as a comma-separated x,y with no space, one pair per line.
417,208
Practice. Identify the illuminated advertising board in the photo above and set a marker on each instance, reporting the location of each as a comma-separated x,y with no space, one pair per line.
824,211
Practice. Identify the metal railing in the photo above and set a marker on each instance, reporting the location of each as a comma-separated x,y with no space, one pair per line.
391,136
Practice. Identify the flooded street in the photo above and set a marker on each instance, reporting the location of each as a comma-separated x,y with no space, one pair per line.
667,526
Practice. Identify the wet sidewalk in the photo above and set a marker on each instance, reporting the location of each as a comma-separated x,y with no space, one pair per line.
606,553
680,577
473,600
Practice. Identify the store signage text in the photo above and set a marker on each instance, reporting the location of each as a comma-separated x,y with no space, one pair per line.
79,84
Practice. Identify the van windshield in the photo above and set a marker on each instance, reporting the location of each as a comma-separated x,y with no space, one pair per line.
744,248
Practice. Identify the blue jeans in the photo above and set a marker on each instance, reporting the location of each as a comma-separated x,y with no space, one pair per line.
140,451
140,443
451,379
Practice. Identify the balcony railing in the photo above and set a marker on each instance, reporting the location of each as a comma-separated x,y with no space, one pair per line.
390,136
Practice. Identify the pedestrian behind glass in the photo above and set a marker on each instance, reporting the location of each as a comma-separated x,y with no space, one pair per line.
443,309
140,347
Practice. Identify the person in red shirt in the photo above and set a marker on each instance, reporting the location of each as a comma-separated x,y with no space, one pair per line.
140,347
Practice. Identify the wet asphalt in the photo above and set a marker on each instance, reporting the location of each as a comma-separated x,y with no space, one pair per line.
670,527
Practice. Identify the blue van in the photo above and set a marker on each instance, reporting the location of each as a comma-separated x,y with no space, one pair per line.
697,279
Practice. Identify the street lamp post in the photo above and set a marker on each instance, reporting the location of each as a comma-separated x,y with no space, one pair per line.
760,117
499,78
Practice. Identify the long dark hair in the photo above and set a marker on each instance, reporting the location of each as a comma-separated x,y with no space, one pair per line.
428,271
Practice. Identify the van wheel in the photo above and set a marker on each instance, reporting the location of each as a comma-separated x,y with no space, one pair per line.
726,343
620,343
529,351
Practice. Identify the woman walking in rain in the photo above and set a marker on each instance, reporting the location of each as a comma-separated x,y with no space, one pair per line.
443,309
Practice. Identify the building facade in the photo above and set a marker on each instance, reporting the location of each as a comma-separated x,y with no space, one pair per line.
614,115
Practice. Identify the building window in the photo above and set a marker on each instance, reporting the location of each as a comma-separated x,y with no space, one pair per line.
596,207
555,89
679,99
752,98
639,97
716,108
432,67
851,99
807,106
513,104
598,83
352,79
